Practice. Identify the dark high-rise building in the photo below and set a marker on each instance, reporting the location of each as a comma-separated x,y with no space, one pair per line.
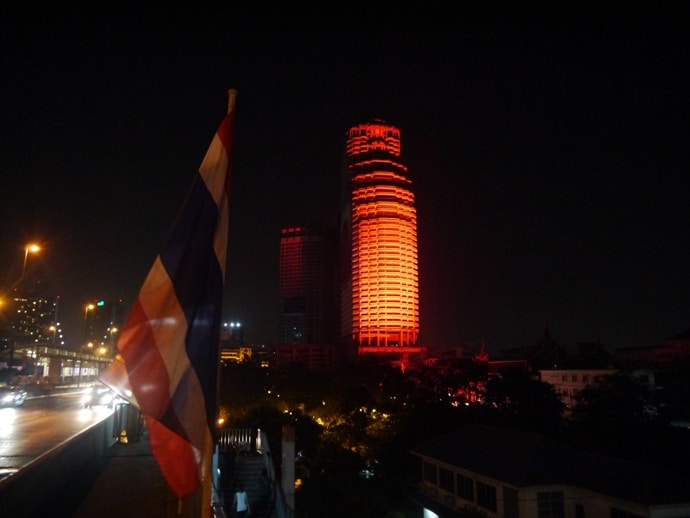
232,334
33,320
102,322
308,285
380,293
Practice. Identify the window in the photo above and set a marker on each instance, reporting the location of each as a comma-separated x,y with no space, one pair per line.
486,496
445,479
511,506
430,473
465,487
579,511
620,513
550,504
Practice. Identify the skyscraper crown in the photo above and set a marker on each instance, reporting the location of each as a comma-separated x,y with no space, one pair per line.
373,136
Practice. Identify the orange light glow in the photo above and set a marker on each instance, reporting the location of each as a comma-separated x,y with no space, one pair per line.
383,305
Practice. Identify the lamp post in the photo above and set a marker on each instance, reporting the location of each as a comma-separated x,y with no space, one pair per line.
30,248
87,308
113,340
33,248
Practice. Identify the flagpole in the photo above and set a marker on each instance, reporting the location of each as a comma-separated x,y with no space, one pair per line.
232,95
206,506
207,481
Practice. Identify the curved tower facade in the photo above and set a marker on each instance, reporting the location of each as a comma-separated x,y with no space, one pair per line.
380,310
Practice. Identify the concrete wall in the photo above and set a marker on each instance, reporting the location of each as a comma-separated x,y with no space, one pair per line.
27,492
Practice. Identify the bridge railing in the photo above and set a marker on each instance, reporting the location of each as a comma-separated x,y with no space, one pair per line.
238,439
255,440
24,493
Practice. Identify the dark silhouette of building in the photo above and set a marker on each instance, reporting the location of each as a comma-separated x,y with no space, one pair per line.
308,285
544,354
102,322
498,471
232,334
32,320
675,349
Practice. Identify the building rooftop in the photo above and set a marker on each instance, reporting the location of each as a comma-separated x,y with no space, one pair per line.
524,459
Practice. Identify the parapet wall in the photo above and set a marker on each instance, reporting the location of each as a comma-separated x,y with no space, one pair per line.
26,492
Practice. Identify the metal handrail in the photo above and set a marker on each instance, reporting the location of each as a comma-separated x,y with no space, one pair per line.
255,440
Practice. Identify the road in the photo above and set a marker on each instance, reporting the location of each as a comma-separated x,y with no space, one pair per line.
43,423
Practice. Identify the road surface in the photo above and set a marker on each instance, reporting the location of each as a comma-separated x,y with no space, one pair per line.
43,423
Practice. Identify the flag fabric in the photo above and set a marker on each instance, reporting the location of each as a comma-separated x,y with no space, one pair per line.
167,360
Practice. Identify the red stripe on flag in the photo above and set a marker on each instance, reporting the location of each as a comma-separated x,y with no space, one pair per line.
148,375
175,458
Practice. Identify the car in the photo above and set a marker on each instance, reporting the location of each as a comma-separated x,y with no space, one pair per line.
12,395
99,396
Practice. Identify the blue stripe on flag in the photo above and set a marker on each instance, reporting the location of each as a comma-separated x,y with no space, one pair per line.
193,268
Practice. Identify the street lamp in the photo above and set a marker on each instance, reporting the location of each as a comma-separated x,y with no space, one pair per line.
33,248
113,340
87,308
30,248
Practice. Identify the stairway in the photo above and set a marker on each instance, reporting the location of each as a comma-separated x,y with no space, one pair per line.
246,469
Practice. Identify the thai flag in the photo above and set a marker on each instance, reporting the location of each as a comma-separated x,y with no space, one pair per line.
168,349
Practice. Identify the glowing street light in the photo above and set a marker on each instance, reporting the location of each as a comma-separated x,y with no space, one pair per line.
113,339
32,248
87,308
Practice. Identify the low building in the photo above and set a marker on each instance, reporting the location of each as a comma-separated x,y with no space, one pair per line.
675,349
568,382
318,357
507,473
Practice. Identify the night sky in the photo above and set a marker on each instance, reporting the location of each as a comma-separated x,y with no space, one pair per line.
548,152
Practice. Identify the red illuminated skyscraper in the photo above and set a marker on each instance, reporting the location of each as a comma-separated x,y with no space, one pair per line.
380,298
308,285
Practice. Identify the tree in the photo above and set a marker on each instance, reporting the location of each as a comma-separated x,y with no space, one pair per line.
618,415
618,402
674,390
525,402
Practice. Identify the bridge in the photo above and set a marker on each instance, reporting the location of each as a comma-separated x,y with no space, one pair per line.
108,470
56,365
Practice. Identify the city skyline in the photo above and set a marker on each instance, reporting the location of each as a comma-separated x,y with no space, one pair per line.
548,155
